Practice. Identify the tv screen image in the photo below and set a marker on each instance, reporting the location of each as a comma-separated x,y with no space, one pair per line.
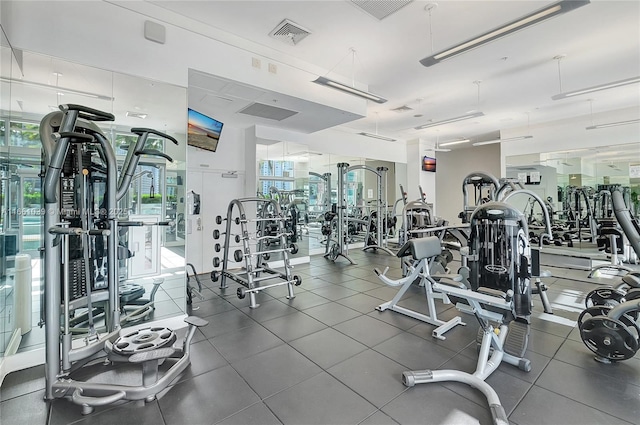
429,164
204,132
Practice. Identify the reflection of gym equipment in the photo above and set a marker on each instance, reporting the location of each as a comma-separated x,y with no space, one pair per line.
70,140
611,238
422,252
485,187
338,246
376,223
500,299
268,214
579,211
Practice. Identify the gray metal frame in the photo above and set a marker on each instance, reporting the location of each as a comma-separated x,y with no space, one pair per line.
250,278
420,269
75,123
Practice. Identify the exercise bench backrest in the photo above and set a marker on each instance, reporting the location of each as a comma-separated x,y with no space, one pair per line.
421,248
629,224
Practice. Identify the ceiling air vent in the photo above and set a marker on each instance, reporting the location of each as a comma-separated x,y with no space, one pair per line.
403,108
267,111
289,32
380,9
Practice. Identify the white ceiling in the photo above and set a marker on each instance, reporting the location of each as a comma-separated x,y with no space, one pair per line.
518,73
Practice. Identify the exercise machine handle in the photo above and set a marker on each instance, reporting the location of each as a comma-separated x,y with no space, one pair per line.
74,137
140,131
65,230
88,113
154,152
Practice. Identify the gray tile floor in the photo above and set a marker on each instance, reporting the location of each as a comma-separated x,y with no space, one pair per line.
328,357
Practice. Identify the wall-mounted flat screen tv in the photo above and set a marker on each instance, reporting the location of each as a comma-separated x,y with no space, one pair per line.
204,132
429,164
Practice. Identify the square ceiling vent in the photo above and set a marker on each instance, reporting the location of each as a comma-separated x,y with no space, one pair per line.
381,9
289,32
267,111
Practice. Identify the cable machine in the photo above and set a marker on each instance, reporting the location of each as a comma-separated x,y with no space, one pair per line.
77,230
377,223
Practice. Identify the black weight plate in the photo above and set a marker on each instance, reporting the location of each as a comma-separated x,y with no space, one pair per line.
604,296
609,338
593,311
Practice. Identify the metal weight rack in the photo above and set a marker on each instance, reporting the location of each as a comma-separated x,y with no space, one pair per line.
268,215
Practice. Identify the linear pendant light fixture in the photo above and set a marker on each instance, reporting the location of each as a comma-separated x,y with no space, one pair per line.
509,139
455,142
612,124
376,135
450,120
597,88
541,15
348,89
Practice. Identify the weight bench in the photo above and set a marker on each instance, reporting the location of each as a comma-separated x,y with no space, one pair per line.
502,340
421,251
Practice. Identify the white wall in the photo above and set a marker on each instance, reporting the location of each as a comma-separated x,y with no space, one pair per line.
109,36
453,167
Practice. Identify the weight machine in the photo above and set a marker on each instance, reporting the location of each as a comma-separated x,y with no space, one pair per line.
377,218
268,214
338,246
485,188
499,298
74,148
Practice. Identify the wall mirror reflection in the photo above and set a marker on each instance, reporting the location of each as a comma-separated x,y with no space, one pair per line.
576,185
364,195
155,195
283,175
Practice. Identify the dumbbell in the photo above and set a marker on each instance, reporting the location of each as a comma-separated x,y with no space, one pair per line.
214,276
297,280
238,255
216,262
219,219
217,247
293,248
217,234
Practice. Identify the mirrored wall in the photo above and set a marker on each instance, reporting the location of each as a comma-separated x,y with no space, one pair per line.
283,175
156,193
575,183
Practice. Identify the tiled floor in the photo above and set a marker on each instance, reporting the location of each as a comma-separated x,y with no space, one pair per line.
328,357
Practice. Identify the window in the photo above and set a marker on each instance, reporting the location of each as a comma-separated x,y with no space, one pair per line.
24,135
3,132
123,141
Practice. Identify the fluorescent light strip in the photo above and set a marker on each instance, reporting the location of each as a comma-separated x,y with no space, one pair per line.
377,136
506,29
596,88
449,120
347,89
612,124
455,142
510,139
59,90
